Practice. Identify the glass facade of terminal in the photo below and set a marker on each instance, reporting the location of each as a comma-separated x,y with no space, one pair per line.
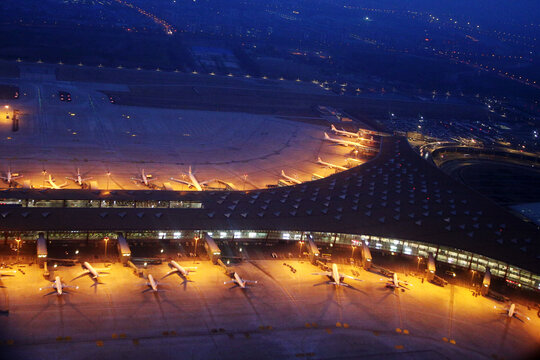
443,254
47,203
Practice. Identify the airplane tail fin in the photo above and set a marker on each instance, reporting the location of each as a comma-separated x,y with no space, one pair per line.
326,136
333,127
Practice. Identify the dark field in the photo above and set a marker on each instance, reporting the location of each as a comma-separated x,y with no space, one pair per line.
505,183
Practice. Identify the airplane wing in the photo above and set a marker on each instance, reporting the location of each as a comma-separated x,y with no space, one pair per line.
229,282
182,182
323,273
202,183
47,287
50,293
250,281
350,277
84,273
170,273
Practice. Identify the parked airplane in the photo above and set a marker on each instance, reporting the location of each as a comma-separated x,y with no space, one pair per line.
58,287
344,142
332,166
290,178
53,184
336,276
144,178
78,178
512,313
395,283
10,177
193,182
184,271
152,283
90,270
239,281
343,132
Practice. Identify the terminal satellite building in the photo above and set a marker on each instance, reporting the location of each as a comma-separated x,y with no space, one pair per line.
397,203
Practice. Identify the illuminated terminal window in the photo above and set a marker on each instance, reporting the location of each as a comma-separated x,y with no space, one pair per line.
157,204
444,254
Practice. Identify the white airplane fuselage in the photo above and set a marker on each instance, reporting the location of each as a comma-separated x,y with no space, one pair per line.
320,161
144,178
239,281
152,282
91,270
395,280
52,183
179,268
343,142
10,177
511,310
335,275
194,182
290,178
343,132
58,285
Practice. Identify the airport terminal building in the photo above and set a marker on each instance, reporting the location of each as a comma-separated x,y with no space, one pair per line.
397,203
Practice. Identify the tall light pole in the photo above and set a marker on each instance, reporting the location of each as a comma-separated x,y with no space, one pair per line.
196,241
245,179
108,178
418,265
301,243
352,252
18,240
106,239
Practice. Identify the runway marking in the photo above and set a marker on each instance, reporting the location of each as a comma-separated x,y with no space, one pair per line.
203,299
285,291
104,135
398,305
41,122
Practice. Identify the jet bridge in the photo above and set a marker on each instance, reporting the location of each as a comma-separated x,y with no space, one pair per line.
486,282
41,249
123,249
213,251
313,250
367,260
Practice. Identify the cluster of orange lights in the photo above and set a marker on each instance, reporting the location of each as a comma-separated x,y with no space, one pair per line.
502,73
169,29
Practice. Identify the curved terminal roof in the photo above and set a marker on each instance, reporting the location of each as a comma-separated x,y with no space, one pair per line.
395,195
